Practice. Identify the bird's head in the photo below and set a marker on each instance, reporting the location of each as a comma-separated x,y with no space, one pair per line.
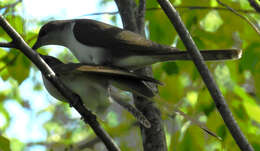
51,33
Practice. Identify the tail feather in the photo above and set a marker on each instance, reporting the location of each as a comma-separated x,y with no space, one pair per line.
208,55
138,61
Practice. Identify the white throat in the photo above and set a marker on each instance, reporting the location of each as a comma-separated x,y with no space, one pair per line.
84,53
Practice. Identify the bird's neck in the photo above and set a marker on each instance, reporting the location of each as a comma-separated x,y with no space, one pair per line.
84,53
67,37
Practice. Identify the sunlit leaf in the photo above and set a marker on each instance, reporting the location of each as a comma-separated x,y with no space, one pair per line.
4,144
17,22
211,22
19,68
252,109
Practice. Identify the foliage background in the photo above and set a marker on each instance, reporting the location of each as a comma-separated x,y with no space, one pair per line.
59,127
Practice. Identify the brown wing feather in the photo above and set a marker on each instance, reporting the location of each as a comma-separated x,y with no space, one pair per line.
102,70
116,72
115,38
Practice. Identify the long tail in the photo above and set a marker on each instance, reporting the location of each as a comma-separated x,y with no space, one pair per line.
139,61
208,55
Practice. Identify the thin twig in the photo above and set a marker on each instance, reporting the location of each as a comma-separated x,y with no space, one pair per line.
178,7
73,98
207,77
122,101
11,45
243,17
7,45
197,123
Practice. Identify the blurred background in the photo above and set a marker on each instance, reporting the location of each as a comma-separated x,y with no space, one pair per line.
32,120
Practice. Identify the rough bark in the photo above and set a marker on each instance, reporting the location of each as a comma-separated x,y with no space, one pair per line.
154,137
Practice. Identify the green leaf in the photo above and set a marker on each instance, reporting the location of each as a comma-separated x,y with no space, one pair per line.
4,74
187,142
256,146
193,140
160,28
239,110
19,69
250,58
173,91
222,131
4,144
2,53
211,22
6,2
170,68
251,107
16,22
199,42
256,78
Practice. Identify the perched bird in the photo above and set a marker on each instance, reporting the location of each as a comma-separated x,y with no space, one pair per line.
91,83
98,43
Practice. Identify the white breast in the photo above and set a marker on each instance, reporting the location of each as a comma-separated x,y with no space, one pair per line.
84,53
92,92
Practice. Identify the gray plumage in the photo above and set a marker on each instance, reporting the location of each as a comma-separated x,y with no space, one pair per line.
98,43
91,82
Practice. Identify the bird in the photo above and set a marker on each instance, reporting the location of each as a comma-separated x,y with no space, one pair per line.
91,83
98,43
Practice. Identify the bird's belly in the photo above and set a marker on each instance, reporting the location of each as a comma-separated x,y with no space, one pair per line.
89,54
134,62
93,93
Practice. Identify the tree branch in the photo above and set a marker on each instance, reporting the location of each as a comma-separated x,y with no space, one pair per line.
179,7
127,10
241,16
140,17
90,143
73,98
154,137
206,75
7,45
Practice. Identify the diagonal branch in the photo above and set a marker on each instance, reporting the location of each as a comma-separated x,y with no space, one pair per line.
73,98
206,75
243,17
